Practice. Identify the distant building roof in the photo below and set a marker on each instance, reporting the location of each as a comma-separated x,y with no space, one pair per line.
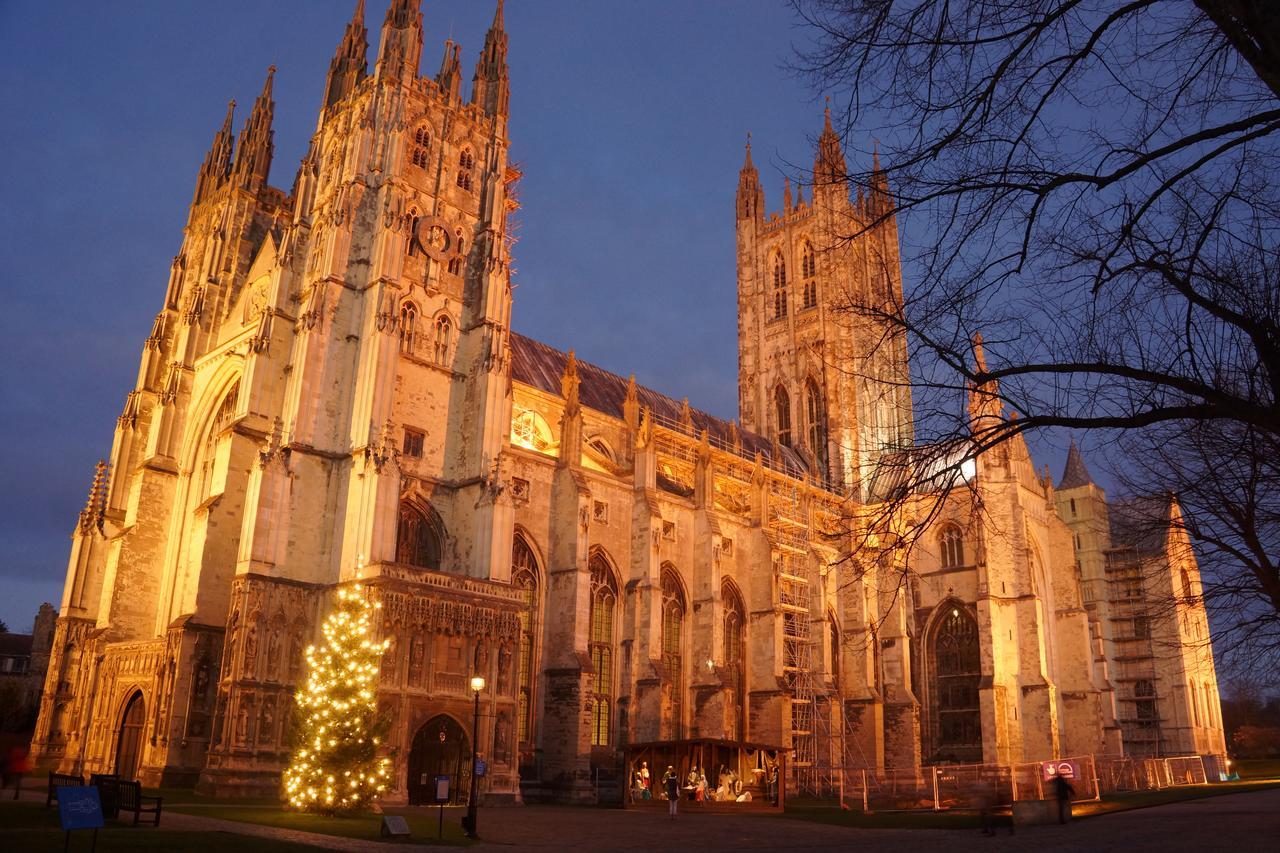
536,364
1075,474
15,645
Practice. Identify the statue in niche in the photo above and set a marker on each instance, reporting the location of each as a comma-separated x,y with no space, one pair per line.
296,654
200,684
417,653
504,669
242,722
482,657
273,655
266,722
233,637
251,652
501,738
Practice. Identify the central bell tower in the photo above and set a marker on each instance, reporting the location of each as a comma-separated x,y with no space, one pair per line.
818,370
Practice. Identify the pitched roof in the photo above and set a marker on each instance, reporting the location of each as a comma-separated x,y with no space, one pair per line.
1074,474
536,364
15,645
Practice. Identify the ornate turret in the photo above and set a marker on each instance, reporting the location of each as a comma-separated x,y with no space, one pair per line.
750,193
450,76
257,140
217,163
349,65
829,166
401,46
490,87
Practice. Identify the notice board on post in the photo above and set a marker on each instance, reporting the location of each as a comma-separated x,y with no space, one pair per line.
79,807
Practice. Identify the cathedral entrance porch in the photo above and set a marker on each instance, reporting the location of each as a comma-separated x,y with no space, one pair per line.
440,748
129,738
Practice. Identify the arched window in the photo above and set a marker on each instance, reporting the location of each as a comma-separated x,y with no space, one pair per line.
419,536
414,220
817,422
456,262
779,286
672,642
408,322
421,146
524,577
604,596
529,429
207,453
957,674
466,163
1185,579
833,639
782,414
444,337
951,546
734,658
807,270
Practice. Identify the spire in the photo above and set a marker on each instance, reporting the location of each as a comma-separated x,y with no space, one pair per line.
490,87
985,408
786,195
1075,473
569,381
750,193
450,76
401,45
253,160
349,65
829,167
96,506
217,163
880,202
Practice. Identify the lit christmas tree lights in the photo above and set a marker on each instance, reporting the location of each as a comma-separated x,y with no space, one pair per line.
335,767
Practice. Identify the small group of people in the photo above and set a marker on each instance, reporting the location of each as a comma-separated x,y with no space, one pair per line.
694,786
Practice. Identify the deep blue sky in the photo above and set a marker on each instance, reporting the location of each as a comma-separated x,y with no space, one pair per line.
628,116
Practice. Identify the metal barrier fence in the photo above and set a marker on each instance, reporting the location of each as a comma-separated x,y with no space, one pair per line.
967,786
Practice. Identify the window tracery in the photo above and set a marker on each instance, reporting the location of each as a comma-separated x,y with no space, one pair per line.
444,339
408,322
673,609
604,596
782,415
779,286
419,537
421,147
466,163
524,576
951,546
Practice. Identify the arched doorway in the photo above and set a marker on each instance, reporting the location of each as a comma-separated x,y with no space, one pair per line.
129,740
440,748
957,673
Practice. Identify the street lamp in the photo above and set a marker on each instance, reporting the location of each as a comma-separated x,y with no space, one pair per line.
469,822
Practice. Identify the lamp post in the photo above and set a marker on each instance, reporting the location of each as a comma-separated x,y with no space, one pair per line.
469,822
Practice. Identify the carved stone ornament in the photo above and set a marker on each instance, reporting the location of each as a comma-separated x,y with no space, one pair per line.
435,239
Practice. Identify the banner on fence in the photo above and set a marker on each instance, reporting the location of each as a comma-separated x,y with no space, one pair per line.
1066,768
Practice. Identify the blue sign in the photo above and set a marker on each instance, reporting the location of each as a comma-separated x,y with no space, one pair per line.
481,767
442,789
79,807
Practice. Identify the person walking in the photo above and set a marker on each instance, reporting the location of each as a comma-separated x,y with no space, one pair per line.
671,785
1062,790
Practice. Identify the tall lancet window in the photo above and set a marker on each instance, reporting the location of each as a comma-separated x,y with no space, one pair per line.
444,337
672,647
466,165
779,286
524,577
782,415
808,269
817,419
734,658
604,597
421,147
408,321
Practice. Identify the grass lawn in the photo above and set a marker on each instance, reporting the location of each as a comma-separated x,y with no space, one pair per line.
31,826
423,824
826,812
1257,768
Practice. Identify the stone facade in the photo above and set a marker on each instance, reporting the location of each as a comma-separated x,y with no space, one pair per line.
332,391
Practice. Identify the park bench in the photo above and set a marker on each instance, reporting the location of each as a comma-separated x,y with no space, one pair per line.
130,799
61,780
108,785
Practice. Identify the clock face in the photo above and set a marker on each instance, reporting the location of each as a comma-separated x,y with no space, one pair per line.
434,238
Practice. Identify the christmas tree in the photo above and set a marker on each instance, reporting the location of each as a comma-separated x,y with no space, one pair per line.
335,767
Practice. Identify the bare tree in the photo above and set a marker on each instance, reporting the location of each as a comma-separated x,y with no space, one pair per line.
1091,186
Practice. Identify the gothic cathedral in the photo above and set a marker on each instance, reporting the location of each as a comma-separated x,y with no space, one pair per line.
332,391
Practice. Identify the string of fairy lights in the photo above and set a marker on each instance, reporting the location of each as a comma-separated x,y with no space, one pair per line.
336,766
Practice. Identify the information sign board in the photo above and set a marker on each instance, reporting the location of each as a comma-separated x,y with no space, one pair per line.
79,807
1065,768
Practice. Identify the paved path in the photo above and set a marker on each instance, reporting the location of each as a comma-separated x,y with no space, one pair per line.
1238,823
1235,823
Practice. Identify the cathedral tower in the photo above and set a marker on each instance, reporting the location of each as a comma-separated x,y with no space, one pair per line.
819,370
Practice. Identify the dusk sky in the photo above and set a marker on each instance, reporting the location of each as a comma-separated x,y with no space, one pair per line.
628,118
